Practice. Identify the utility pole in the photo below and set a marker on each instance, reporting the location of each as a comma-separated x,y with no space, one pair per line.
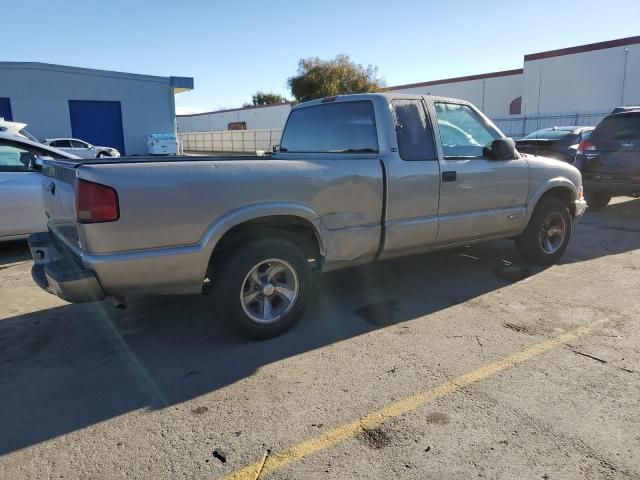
624,75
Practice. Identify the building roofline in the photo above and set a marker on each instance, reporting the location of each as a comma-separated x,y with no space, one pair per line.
250,107
85,71
481,76
583,48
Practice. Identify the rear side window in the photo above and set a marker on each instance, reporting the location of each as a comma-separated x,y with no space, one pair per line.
341,127
619,128
415,139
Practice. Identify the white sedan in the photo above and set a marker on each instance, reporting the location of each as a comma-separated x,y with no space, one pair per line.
21,206
81,148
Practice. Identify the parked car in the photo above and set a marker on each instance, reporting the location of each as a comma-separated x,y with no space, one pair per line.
628,108
81,148
21,206
557,142
357,178
16,128
610,159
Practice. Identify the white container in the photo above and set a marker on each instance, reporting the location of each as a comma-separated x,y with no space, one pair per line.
162,144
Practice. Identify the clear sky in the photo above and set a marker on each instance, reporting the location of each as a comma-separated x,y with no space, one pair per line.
234,48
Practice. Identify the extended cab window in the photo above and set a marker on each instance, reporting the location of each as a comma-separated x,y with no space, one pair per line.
463,133
340,127
413,132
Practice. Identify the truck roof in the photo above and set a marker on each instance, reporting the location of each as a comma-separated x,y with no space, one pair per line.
388,96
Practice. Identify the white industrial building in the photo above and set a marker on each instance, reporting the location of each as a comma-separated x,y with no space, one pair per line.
496,94
106,108
246,118
576,85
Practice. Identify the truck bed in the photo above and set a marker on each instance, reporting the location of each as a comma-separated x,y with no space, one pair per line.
162,159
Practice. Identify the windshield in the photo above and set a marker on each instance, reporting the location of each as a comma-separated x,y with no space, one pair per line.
620,127
548,134
25,133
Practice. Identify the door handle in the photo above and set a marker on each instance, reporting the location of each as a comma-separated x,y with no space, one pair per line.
450,176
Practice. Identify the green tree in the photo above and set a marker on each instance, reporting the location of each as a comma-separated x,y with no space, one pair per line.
318,78
267,98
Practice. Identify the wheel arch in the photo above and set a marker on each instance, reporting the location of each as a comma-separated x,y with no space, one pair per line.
297,223
560,188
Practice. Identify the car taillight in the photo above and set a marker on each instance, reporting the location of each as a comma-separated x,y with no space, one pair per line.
586,146
96,203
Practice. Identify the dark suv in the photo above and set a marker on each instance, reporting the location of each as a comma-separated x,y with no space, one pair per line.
610,159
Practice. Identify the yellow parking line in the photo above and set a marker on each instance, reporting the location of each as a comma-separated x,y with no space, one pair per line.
401,407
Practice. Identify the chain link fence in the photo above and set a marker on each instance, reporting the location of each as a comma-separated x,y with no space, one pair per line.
248,141
518,127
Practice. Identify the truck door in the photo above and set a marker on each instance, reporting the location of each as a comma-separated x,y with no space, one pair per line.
413,179
479,197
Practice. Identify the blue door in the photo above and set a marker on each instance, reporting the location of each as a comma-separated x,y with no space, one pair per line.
97,122
5,109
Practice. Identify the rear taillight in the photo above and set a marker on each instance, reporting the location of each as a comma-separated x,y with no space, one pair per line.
586,146
96,203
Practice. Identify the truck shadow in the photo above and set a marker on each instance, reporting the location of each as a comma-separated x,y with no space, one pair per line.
13,252
72,366
611,230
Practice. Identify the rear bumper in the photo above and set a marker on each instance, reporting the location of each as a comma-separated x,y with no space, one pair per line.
58,271
614,188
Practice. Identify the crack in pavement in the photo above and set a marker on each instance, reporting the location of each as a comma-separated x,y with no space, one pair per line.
597,359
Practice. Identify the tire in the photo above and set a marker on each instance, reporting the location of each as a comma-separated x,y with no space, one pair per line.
538,247
597,199
246,273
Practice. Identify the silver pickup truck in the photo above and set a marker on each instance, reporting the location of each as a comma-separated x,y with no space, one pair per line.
356,178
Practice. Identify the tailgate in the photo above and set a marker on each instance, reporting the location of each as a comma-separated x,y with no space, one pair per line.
58,194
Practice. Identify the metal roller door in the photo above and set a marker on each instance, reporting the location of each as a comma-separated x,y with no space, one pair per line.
5,109
97,122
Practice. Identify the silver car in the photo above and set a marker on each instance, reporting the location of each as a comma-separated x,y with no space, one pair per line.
81,148
21,207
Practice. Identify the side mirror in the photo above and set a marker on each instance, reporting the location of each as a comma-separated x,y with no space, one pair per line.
276,148
36,163
501,149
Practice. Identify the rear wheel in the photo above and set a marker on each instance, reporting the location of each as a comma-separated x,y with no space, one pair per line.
262,287
546,237
597,199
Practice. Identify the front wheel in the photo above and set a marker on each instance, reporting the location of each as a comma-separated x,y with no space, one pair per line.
546,237
262,287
